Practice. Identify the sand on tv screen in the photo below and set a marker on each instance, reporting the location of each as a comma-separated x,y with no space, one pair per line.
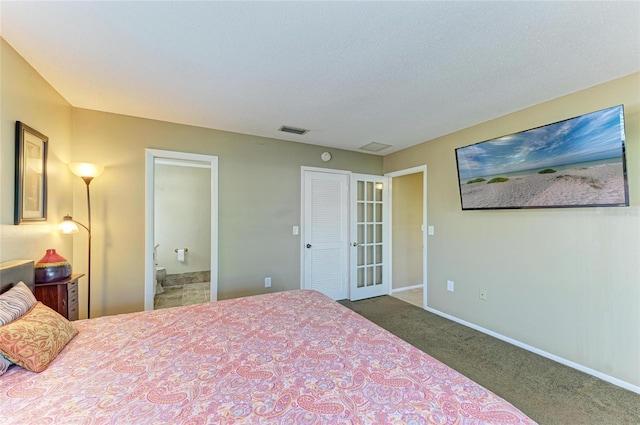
578,162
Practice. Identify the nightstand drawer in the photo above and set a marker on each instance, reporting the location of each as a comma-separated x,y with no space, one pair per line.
72,300
73,312
72,286
72,292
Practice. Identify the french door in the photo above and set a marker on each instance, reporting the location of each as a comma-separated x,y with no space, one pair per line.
369,254
345,234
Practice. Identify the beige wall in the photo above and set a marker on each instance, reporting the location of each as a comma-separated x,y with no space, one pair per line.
25,96
182,217
406,230
565,281
259,192
259,199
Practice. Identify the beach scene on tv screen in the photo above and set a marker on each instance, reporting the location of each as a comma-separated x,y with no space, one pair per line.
576,162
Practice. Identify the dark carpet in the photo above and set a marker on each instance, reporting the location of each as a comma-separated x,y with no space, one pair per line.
548,392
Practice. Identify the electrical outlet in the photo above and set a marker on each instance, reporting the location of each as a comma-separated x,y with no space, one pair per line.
450,285
483,295
267,282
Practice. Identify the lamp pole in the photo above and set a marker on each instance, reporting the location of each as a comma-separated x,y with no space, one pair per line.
87,172
87,180
66,228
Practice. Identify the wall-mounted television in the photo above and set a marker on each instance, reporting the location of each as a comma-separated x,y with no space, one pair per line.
578,162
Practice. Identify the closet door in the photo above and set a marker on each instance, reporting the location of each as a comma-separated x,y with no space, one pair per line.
325,235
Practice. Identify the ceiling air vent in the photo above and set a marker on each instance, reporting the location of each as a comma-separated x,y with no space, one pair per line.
294,130
375,147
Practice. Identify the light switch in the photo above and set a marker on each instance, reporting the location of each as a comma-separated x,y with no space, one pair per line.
431,231
296,230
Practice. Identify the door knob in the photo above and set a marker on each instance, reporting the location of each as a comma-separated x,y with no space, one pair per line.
355,244
308,245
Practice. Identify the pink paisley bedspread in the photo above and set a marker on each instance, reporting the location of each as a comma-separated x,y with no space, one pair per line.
293,357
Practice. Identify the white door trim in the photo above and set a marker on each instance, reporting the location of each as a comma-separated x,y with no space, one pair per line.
149,269
419,169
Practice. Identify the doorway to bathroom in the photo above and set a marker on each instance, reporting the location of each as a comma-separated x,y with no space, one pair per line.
181,228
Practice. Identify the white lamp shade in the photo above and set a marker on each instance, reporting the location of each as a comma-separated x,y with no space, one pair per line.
68,226
86,169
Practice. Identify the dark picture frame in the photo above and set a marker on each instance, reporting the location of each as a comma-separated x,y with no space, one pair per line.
31,175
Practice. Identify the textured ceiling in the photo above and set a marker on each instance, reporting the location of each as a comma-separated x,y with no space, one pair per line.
351,72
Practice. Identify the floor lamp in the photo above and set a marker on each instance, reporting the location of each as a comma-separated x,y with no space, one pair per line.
86,172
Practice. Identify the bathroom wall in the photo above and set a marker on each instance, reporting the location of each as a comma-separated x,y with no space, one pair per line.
183,217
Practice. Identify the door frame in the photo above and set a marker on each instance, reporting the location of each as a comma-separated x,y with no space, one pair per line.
419,169
149,268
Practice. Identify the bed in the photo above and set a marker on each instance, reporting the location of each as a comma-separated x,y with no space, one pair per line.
293,357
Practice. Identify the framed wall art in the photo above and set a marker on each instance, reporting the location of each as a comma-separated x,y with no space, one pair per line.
578,162
31,175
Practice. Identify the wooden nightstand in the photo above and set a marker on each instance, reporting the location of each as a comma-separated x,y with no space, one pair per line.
61,296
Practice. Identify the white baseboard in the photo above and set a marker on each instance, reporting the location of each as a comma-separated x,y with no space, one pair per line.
615,381
406,288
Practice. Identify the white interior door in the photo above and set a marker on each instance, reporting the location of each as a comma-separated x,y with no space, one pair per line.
370,235
325,234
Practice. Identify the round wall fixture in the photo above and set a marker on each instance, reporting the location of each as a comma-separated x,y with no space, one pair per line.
326,156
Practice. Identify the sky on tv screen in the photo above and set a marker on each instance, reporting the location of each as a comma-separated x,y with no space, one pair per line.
591,137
